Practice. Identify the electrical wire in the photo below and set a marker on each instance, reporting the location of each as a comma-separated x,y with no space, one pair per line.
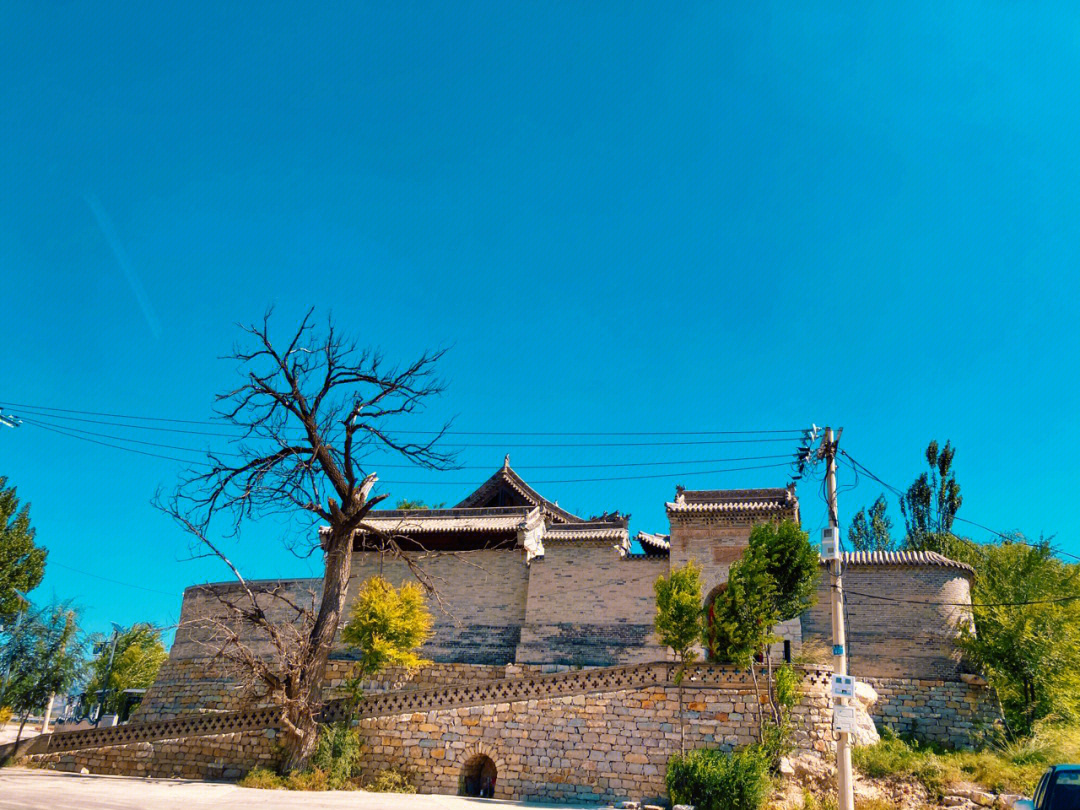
1058,600
203,451
680,474
107,579
420,432
854,463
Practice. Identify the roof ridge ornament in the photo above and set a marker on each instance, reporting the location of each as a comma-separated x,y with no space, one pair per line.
506,462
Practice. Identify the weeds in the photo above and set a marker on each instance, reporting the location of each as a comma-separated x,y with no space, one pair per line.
1010,767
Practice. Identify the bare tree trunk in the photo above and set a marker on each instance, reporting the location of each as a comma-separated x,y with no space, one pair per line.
300,741
300,744
771,686
757,700
682,722
18,736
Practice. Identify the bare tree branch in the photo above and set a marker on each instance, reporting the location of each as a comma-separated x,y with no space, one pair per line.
309,418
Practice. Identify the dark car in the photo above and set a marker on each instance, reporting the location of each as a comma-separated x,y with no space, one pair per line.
1059,789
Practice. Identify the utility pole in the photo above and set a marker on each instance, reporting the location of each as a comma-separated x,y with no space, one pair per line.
845,793
108,672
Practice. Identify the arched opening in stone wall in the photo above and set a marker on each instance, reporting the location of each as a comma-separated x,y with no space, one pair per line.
478,777
710,618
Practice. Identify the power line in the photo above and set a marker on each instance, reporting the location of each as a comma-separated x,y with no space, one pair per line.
224,423
203,451
121,447
107,579
37,423
857,465
458,446
680,474
612,478
1058,600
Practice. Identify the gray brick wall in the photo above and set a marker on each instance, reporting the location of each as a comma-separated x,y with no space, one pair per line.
893,639
589,606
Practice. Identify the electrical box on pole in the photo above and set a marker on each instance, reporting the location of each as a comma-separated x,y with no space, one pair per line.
830,543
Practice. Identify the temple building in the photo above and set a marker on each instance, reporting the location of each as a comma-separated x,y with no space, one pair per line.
525,581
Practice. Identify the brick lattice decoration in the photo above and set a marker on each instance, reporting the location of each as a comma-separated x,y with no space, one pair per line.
505,690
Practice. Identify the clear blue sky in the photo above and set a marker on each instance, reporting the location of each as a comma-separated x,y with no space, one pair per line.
619,216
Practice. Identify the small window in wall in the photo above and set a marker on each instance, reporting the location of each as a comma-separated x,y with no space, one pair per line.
787,650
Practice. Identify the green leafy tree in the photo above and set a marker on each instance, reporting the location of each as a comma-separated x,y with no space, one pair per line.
1026,638
139,656
386,627
406,503
774,581
678,622
930,504
47,660
871,529
22,564
792,563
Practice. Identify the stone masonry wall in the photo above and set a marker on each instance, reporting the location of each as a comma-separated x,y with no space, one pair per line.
224,756
582,748
484,593
897,639
588,606
596,747
950,712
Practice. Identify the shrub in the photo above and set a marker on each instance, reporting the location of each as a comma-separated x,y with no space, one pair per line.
711,779
312,779
5,715
337,755
392,780
263,779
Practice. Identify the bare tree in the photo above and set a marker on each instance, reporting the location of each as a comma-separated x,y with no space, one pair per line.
311,415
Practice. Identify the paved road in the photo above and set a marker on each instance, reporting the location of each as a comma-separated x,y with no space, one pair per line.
26,789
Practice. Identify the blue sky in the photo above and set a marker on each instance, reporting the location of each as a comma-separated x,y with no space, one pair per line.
620,217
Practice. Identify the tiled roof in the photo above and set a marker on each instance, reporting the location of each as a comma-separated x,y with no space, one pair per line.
931,558
733,500
492,519
657,541
507,477
596,530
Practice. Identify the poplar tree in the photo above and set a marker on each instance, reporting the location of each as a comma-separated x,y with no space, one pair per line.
930,504
22,564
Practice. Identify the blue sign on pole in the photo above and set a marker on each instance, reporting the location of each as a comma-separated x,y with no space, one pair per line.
838,649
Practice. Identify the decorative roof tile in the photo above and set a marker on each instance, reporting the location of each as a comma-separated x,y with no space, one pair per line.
506,477
660,542
752,501
593,530
491,519
929,558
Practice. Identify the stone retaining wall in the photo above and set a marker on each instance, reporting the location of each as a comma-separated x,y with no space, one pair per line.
194,685
950,712
225,756
580,748
606,745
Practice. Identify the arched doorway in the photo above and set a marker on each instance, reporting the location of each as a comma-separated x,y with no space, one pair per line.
478,777
712,639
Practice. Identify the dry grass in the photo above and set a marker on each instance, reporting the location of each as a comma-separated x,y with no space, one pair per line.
1006,768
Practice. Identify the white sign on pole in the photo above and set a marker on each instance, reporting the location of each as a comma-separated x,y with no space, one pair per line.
843,686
